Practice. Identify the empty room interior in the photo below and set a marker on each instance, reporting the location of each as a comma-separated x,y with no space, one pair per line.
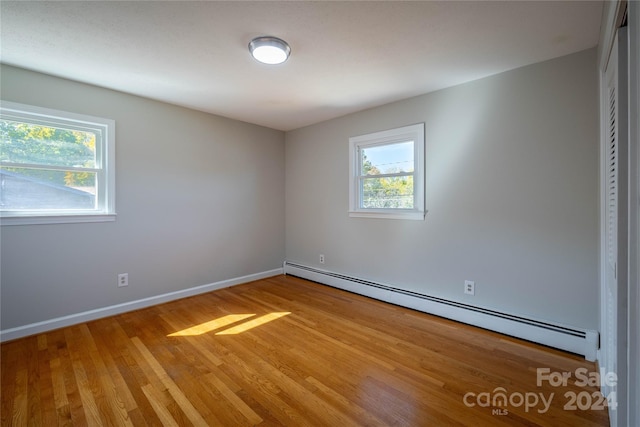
318,213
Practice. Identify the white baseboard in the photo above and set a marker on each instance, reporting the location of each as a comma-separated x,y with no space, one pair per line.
563,337
86,316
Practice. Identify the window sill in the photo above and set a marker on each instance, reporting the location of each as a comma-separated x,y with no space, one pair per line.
56,219
417,216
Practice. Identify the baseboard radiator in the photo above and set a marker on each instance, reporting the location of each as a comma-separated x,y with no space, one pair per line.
568,338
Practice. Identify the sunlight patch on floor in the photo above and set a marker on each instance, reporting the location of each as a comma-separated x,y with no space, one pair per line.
243,327
212,325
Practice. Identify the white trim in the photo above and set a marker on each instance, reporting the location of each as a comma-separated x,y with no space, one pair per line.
564,337
612,15
86,316
49,113
392,214
633,330
56,219
413,133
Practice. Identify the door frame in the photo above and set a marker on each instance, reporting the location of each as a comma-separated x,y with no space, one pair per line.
629,380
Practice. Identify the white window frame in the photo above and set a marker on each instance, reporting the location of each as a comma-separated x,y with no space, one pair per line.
413,133
105,165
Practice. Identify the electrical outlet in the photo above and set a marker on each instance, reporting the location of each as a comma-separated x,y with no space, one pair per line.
123,280
321,258
469,287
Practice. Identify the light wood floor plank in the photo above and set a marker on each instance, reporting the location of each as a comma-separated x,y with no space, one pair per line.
345,404
280,351
119,393
232,397
76,411
156,402
20,406
173,389
94,401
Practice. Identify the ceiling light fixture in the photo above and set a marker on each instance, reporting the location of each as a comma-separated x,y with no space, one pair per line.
269,50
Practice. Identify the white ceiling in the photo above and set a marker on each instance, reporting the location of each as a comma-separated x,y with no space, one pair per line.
346,56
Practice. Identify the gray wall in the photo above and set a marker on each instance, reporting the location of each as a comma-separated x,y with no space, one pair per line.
511,190
199,199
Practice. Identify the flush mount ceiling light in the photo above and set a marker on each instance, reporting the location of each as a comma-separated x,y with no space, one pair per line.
269,50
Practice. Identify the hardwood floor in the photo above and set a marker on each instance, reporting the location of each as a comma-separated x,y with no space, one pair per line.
285,351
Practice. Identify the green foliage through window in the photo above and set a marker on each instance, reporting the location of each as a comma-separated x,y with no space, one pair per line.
385,192
31,144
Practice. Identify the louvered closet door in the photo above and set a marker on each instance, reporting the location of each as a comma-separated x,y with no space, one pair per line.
614,308
611,217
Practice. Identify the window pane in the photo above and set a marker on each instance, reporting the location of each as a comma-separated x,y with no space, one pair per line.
385,159
46,189
44,145
388,193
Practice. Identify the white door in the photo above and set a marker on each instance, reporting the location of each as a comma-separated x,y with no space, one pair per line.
614,292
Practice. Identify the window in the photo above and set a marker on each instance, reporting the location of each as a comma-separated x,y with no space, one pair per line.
55,166
386,171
